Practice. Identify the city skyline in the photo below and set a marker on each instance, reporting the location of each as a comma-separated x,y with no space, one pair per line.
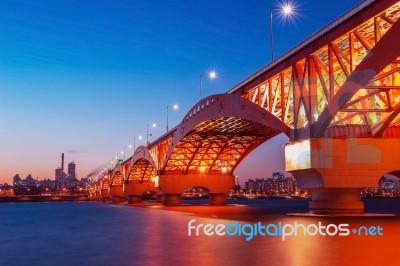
76,78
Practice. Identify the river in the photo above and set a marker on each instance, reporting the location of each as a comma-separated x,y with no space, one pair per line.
90,233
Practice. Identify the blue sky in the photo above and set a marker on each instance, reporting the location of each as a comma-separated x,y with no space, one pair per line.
84,77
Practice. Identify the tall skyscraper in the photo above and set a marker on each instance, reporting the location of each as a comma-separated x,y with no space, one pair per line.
62,162
60,174
59,178
71,170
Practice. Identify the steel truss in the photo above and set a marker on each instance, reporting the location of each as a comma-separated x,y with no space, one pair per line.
216,146
141,171
353,79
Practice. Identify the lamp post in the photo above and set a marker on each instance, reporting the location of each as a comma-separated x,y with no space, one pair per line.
175,107
134,142
211,75
116,159
286,10
129,146
147,135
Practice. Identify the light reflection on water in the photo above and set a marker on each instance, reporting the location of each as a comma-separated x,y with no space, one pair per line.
85,233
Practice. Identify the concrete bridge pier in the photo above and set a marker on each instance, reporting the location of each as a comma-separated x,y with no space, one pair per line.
160,198
132,199
97,196
117,194
217,199
335,170
336,201
117,199
105,195
171,199
174,185
134,190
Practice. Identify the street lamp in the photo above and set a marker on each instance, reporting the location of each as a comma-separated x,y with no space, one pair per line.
147,135
122,152
175,107
285,10
129,146
211,75
116,159
134,143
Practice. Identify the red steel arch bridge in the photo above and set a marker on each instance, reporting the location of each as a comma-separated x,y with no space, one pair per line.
336,96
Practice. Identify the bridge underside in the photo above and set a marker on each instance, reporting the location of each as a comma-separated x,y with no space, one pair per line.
216,146
141,171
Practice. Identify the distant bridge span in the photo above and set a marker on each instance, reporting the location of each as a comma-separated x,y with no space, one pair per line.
341,83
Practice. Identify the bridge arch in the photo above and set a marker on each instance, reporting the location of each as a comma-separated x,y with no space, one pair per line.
116,185
217,134
140,175
142,167
105,188
117,176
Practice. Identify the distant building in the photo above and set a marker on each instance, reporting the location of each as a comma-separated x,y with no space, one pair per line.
71,170
59,178
250,185
47,184
278,175
17,181
259,184
278,184
389,182
30,182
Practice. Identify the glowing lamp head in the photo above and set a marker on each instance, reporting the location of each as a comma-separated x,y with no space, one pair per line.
129,146
153,125
212,74
287,9
175,106
202,169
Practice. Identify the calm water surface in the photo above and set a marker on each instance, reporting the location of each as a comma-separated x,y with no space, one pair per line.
87,233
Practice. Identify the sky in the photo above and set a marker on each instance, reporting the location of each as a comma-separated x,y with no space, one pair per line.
85,77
